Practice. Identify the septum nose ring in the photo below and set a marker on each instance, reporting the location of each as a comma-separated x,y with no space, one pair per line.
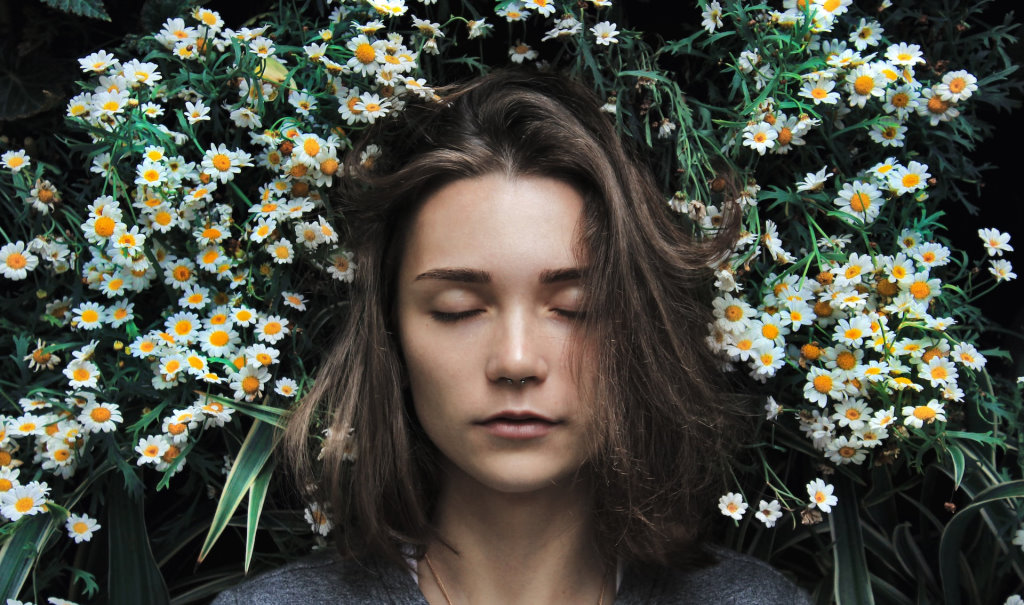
522,381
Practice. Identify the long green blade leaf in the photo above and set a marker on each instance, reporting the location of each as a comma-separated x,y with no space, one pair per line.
952,537
133,575
852,579
20,551
255,452
257,494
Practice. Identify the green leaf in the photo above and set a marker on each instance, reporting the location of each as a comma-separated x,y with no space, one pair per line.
85,8
852,579
953,535
20,551
133,573
257,494
255,452
959,464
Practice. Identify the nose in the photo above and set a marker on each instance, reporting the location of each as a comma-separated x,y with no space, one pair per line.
519,349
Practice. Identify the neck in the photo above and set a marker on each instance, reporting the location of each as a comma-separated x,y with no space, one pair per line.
514,548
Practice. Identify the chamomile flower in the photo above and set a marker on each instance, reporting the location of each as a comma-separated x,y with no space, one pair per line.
931,254
1002,270
867,33
821,495
814,181
956,86
732,505
845,450
864,83
24,500
760,136
341,266
151,448
853,413
521,52
902,101
248,382
16,261
294,300
318,519
768,512
888,134
712,16
995,241
286,387
820,90
271,329
98,417
823,384
913,177
939,371
81,527
196,111
918,416
223,164
935,108
862,200
605,33
904,54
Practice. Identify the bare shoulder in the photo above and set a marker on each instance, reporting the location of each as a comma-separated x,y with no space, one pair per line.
324,578
734,578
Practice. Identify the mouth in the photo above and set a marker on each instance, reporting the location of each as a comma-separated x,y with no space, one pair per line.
518,425
520,417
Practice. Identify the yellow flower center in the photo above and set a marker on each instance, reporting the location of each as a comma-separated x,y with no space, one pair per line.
819,93
5,484
860,202
81,375
937,105
785,136
250,384
182,273
80,527
311,147
365,53
847,452
939,373
272,328
111,106
104,226
920,290
822,383
863,85
957,85
733,313
219,338
183,327
900,99
221,162
923,412
23,505
911,180
100,415
16,260
846,360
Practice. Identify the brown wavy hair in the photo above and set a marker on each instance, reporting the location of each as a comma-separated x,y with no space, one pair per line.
666,426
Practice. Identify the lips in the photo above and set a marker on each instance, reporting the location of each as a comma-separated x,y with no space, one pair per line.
518,424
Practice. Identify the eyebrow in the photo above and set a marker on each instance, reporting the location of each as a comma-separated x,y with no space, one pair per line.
476,276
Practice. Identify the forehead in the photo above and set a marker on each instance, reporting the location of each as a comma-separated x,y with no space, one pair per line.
494,222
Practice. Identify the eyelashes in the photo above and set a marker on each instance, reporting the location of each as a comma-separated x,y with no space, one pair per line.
453,317
447,318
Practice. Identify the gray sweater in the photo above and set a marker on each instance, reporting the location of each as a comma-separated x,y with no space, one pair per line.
323,578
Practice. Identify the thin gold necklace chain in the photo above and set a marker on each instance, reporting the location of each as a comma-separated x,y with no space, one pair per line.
448,599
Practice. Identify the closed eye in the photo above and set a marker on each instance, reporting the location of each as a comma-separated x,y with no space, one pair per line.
570,314
449,317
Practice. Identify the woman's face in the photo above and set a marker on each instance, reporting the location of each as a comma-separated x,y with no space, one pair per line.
488,292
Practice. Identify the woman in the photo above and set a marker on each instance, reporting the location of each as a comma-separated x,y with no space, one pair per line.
521,376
